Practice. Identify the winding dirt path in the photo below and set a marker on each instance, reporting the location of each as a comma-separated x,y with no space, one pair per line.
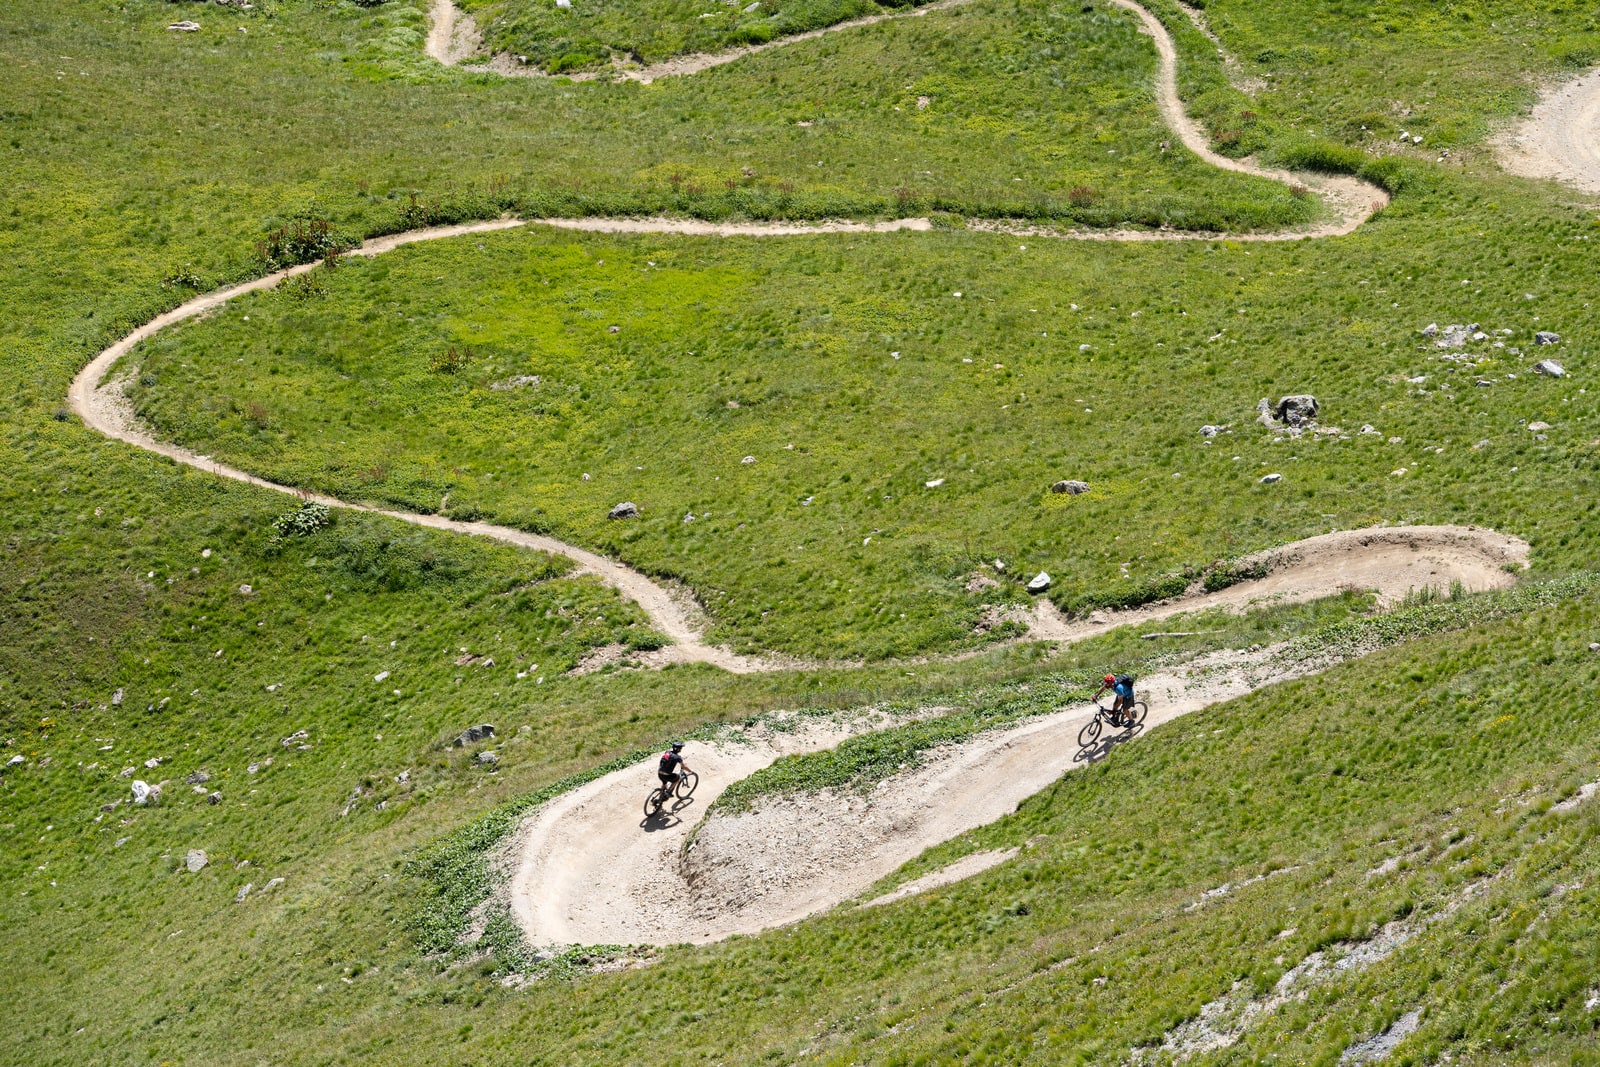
103,407
1560,138
1350,201
589,868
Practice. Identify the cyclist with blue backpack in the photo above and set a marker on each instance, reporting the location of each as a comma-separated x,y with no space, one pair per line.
1122,686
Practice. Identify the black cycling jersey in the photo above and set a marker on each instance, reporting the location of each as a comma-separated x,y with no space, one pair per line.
669,763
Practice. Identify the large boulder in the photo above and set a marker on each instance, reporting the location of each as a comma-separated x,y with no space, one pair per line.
1071,488
473,734
1297,410
1545,337
1550,367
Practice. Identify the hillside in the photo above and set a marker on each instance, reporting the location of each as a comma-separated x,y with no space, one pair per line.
837,314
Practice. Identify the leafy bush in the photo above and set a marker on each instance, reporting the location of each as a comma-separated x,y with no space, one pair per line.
303,521
452,360
301,240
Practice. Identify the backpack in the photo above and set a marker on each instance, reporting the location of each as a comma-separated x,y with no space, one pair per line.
669,762
1125,679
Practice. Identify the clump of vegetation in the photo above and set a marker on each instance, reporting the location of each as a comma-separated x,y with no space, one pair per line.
184,277
301,240
452,360
303,521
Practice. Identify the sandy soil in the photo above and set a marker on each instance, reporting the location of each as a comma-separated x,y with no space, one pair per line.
1389,560
591,869
1560,139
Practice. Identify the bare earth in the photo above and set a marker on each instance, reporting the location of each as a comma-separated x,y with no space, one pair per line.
590,868
1560,139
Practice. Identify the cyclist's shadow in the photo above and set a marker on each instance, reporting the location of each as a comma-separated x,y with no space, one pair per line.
666,816
1102,747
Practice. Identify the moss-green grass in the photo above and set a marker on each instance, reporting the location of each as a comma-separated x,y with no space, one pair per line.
128,153
830,542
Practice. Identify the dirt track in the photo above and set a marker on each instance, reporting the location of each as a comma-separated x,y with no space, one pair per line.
1350,201
589,868
1560,139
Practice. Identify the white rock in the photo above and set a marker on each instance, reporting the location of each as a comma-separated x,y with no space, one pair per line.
1550,367
196,860
748,459
1039,582
380,676
1536,427
244,891
186,26
936,483
1271,479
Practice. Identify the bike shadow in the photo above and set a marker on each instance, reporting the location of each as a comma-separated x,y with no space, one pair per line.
1102,747
666,817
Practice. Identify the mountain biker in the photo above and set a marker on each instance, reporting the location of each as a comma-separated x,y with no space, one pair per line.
667,770
1122,686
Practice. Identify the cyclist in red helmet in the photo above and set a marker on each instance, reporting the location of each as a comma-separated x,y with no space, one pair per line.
1122,686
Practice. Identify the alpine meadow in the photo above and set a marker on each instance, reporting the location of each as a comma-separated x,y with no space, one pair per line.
419,416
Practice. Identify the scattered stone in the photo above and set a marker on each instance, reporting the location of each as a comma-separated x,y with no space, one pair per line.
1431,330
213,797
999,567
936,483
1454,336
473,734
518,382
298,735
1536,427
1397,440
116,698
141,792
1039,582
748,459
1071,488
152,763
1544,366
1399,472
244,891
625,510
486,759
246,589
1271,479
1211,431
1594,646
196,860
1545,337
15,760
380,676
566,5
1369,429
198,777
273,884
186,26
1298,409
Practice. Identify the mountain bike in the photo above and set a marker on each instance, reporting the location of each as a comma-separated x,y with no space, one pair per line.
683,789
1133,718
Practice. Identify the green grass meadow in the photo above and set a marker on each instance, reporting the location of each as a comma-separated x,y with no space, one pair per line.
154,614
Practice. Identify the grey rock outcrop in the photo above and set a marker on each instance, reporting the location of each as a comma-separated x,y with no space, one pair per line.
473,734
1551,368
196,860
1545,337
1071,488
625,510
1298,409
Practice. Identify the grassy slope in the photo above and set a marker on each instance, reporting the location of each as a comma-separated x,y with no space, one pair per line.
990,393
592,35
143,154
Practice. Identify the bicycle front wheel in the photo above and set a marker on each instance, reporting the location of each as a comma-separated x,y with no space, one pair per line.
1090,732
1135,715
687,784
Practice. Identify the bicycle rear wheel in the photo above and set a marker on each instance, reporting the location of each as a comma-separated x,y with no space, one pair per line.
687,784
1135,715
653,802
1090,732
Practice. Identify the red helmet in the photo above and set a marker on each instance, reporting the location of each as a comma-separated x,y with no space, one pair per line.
1111,679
